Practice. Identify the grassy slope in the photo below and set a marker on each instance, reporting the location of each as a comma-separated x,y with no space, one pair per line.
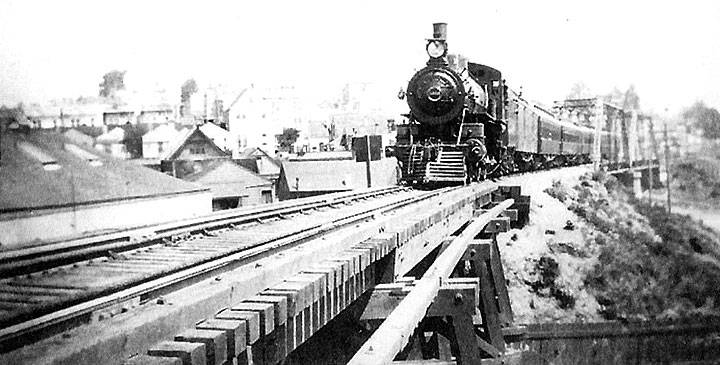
648,264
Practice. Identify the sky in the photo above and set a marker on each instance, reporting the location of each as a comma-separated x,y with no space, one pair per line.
669,50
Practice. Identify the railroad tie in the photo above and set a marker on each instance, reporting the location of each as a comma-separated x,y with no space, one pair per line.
215,343
315,301
153,360
303,307
234,333
334,277
293,324
191,353
275,344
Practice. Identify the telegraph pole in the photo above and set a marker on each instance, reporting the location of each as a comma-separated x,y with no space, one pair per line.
667,167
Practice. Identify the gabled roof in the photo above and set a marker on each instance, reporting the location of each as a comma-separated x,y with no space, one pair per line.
115,135
219,135
225,178
254,152
195,133
82,175
163,133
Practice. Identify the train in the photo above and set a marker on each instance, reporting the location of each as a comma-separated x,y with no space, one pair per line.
465,124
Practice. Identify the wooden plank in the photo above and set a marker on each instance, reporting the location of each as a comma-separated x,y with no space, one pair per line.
215,343
327,297
266,312
153,360
511,213
393,334
303,321
488,307
279,305
294,318
234,332
497,225
252,320
190,353
317,285
500,285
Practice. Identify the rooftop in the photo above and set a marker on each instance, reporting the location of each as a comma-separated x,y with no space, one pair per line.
81,176
226,178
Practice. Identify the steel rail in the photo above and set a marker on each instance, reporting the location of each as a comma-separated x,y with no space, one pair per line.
394,333
204,270
22,261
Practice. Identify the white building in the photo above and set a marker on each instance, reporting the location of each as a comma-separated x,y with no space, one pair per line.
112,143
157,142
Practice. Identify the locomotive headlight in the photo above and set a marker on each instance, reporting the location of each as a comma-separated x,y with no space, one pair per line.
436,48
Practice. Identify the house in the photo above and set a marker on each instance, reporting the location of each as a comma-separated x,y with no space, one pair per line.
260,162
258,114
155,115
301,178
68,116
232,186
156,143
191,154
119,117
53,189
112,143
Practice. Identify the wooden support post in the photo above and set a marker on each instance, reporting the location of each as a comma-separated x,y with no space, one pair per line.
456,301
394,333
479,254
500,285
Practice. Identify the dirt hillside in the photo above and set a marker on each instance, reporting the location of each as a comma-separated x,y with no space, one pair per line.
591,252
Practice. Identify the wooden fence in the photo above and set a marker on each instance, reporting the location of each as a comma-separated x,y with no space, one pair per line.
694,341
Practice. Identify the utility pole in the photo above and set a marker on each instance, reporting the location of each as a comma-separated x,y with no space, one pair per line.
650,181
599,119
367,163
667,167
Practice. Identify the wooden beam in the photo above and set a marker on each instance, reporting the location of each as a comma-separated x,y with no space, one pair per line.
395,332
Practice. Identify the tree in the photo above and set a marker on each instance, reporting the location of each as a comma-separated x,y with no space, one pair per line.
616,97
580,91
704,118
187,90
287,138
631,100
113,81
133,138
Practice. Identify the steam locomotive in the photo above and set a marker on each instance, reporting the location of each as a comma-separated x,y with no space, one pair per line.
465,125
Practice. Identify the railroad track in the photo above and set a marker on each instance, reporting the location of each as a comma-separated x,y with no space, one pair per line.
40,257
38,304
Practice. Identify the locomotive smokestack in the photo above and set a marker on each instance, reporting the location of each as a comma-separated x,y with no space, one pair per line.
440,31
